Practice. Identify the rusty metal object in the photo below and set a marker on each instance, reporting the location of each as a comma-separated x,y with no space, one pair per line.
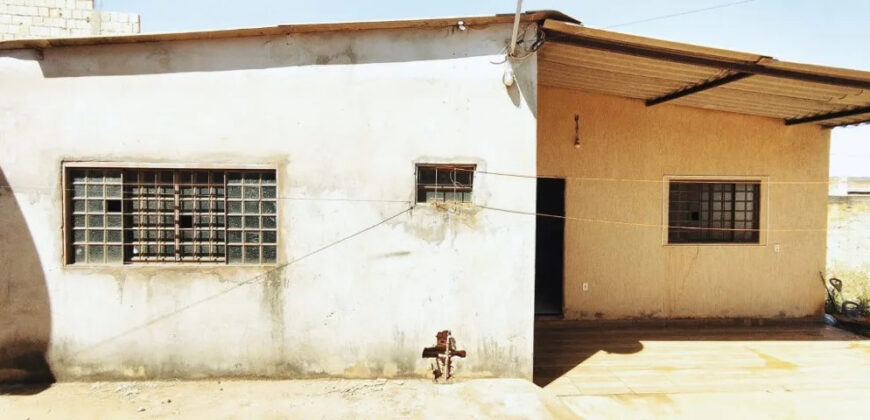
443,352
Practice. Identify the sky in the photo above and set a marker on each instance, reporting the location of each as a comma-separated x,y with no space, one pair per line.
831,33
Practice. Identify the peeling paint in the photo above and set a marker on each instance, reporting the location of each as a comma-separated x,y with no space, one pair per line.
436,222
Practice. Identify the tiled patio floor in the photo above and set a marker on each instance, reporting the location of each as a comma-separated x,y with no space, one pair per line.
785,371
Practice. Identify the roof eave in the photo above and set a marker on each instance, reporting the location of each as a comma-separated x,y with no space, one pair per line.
531,16
732,66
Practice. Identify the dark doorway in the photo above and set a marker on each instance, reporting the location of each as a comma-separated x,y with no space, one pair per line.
549,247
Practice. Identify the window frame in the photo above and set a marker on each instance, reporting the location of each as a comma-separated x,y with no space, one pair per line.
763,210
473,167
67,209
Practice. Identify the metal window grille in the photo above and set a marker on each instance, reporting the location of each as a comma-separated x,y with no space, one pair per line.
442,183
173,215
713,212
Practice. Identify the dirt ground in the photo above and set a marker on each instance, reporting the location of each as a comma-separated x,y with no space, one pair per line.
307,399
782,372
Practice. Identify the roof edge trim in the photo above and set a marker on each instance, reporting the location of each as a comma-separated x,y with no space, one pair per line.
530,16
616,42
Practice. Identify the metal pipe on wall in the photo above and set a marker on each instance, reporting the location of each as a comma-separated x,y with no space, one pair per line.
513,46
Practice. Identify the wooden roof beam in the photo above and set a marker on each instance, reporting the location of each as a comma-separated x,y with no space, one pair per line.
829,116
859,122
700,87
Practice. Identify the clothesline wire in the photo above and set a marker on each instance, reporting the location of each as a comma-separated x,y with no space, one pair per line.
648,225
254,279
151,197
684,180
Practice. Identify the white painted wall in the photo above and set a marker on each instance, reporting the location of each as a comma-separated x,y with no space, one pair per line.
342,116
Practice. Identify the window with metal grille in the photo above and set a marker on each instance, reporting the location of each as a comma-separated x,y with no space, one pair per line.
441,183
172,215
713,212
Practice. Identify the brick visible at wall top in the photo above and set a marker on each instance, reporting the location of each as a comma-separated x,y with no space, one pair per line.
59,18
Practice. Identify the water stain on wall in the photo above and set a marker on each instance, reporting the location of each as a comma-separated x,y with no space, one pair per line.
348,56
435,221
499,360
273,303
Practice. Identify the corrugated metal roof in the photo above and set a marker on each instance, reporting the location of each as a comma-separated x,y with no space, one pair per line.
658,71
607,62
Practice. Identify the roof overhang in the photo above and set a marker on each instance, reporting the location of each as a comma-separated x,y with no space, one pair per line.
659,72
595,60
471,21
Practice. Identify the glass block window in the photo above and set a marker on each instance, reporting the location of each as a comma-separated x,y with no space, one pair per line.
251,217
713,212
97,220
172,215
443,183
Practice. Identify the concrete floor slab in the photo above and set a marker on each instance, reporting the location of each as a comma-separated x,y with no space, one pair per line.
785,371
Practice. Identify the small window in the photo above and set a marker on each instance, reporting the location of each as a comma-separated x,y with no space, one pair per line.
119,216
443,183
713,212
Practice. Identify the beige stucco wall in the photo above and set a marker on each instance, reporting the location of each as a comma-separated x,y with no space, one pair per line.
343,117
629,271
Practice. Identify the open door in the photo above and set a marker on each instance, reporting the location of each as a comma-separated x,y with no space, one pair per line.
550,247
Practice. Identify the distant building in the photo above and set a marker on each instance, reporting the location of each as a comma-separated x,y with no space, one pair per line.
843,186
27,19
849,235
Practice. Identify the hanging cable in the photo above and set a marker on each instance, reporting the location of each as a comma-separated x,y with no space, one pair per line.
688,12
647,225
516,28
251,280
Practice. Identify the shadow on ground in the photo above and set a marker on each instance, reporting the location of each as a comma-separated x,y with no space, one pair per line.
561,345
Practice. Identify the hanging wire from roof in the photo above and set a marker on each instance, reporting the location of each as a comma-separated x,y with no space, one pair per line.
530,46
513,44
687,12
